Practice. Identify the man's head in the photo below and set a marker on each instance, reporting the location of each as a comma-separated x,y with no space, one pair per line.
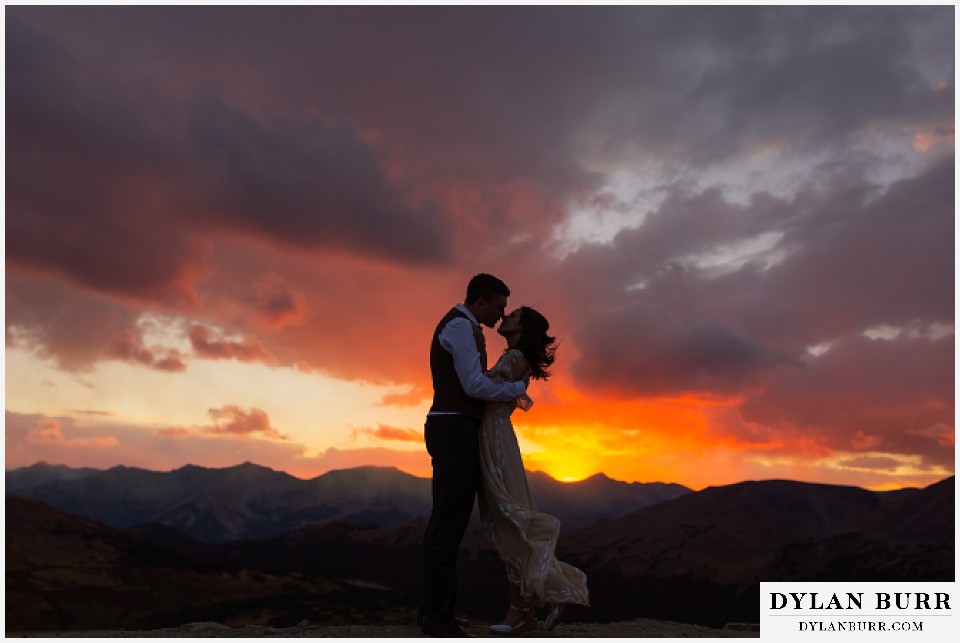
487,299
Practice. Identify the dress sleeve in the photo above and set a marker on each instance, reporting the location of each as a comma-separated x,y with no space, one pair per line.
509,368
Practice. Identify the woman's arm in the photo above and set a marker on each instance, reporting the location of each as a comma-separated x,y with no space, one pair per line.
513,367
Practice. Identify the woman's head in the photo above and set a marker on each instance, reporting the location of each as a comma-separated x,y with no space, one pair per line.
526,330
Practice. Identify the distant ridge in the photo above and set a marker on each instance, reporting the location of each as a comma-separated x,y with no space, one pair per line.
719,543
251,501
42,472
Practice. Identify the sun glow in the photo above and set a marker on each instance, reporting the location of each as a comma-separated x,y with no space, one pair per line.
564,466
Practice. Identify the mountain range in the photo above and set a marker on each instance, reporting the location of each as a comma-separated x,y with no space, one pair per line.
695,558
716,545
249,501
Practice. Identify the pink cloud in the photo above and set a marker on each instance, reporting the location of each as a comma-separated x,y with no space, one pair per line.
140,446
232,420
48,432
383,432
416,397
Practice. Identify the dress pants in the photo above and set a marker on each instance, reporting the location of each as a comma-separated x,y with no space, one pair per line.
453,444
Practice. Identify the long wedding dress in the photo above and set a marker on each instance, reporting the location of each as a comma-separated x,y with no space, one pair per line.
525,538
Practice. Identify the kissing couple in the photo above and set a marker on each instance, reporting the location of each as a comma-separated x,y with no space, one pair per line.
475,455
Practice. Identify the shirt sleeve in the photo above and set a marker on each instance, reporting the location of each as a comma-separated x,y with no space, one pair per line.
457,338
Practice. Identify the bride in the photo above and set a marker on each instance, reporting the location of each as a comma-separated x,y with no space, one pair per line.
524,537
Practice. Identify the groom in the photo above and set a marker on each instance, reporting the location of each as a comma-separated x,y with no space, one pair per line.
457,357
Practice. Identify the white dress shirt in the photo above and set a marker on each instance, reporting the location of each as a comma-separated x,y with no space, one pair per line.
457,338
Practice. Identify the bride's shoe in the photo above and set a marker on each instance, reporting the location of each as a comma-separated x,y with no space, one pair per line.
527,625
554,616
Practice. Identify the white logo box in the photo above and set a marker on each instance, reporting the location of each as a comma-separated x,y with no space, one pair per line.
912,611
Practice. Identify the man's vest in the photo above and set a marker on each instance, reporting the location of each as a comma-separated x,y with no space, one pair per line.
448,393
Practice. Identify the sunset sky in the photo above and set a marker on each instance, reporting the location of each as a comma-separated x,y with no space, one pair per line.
230,232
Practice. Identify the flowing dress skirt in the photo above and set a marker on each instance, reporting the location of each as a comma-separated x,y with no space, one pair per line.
525,538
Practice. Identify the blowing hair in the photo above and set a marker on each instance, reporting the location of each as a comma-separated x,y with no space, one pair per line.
537,346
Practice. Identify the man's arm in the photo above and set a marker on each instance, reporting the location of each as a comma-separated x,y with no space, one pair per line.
457,337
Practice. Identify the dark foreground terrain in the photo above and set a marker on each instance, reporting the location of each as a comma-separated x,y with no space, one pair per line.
697,559
639,628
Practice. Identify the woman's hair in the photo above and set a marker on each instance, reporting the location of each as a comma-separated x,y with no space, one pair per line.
535,344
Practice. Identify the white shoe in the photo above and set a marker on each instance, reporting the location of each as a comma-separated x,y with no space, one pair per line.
512,630
554,616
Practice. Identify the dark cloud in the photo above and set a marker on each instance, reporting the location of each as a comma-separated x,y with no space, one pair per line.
845,262
88,179
72,327
276,304
76,329
811,78
310,184
892,396
863,259
113,184
647,352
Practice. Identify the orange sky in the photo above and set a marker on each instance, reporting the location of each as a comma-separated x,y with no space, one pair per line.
222,247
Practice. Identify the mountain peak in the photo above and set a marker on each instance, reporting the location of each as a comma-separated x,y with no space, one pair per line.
599,477
367,472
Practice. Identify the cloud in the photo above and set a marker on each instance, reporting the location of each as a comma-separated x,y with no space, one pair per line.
138,446
73,327
867,462
232,420
416,396
103,225
774,82
276,304
142,180
49,432
383,432
846,260
865,395
308,184
248,350
128,346
646,351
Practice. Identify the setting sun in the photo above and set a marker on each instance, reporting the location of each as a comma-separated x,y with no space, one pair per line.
563,463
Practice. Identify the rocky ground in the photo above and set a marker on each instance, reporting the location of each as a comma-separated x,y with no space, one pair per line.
640,628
